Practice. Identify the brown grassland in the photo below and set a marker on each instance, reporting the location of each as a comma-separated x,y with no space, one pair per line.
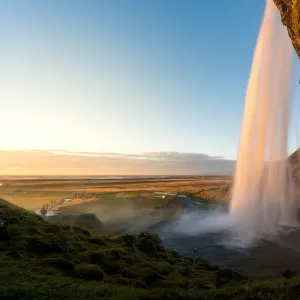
32,194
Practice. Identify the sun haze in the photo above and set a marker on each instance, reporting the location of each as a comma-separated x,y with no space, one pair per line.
125,77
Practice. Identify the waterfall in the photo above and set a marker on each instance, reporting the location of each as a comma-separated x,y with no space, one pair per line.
263,201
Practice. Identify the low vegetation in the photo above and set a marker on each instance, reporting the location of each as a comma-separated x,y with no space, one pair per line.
220,194
42,260
86,220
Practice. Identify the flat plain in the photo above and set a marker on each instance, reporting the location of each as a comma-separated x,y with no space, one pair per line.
32,194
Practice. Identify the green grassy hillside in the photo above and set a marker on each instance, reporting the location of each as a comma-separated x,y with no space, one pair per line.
42,260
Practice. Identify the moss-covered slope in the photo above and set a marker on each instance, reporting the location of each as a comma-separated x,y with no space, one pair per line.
32,247
41,260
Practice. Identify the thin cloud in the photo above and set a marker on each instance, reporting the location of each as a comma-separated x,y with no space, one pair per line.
84,163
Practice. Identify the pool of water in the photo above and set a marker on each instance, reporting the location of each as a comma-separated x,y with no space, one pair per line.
202,231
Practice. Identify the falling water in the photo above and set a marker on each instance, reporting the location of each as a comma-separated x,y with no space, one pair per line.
262,200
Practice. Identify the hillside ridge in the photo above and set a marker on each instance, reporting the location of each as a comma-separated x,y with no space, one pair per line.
39,259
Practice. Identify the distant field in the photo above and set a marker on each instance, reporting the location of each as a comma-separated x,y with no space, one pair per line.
32,194
34,199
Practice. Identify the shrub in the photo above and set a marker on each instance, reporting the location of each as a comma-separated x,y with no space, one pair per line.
128,239
206,282
52,228
13,293
94,257
66,227
38,244
100,241
149,243
100,258
13,220
163,267
14,231
58,262
183,269
115,253
116,240
171,260
164,294
128,259
33,231
14,254
151,276
179,282
88,221
60,245
146,245
89,271
79,246
82,231
202,264
126,272
225,276
289,273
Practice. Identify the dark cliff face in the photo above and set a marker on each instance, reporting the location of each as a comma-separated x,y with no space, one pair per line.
290,16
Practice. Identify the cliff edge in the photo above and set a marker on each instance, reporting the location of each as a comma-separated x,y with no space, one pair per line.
290,16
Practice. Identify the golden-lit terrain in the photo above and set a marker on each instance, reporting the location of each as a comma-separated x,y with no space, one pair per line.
32,194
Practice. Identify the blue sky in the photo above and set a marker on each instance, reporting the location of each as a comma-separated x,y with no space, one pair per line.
126,76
